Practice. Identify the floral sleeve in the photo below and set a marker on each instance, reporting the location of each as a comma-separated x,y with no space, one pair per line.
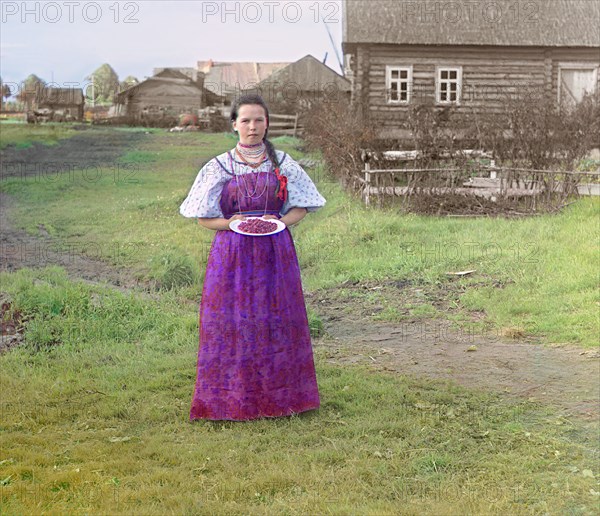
302,192
205,193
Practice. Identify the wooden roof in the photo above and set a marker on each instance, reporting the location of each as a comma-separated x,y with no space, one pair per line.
547,23
231,77
163,86
308,74
60,96
180,72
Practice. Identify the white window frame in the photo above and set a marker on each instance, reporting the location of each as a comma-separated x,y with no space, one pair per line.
438,88
576,66
388,83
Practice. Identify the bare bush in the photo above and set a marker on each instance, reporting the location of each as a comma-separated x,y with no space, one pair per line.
217,123
340,132
535,144
431,131
534,132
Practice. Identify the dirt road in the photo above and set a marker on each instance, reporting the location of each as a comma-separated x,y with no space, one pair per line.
95,146
566,377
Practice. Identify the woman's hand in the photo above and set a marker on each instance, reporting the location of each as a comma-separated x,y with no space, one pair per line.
235,217
218,223
294,216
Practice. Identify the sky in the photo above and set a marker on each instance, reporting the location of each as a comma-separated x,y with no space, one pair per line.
64,41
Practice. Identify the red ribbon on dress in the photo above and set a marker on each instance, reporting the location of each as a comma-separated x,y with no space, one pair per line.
282,186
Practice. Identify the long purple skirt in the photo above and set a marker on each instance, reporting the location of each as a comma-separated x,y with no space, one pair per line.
255,356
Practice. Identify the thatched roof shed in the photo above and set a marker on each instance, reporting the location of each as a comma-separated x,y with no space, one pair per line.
168,93
69,101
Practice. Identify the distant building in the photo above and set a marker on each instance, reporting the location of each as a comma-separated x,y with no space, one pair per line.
229,79
222,82
211,97
303,82
169,93
66,103
177,71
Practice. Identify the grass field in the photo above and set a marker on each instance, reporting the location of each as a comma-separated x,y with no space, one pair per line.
95,403
23,135
547,266
94,419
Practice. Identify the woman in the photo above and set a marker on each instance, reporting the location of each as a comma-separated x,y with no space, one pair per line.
255,356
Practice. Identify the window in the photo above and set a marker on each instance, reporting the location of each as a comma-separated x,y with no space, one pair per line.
574,81
398,84
448,85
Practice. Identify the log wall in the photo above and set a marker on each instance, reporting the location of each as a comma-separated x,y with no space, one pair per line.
489,75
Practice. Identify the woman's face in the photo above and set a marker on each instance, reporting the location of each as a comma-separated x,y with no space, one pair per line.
251,123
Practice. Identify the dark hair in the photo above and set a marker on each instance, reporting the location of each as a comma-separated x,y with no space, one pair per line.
255,100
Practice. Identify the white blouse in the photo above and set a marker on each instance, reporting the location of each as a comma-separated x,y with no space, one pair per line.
205,194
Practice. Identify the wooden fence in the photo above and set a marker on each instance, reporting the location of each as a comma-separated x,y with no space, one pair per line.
477,179
284,125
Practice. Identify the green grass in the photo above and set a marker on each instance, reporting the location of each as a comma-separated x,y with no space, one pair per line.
534,276
95,403
23,135
95,411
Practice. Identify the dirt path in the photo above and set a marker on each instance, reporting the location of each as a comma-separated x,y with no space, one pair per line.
565,377
19,249
95,146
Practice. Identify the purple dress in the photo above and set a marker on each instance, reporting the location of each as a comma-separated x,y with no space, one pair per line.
255,356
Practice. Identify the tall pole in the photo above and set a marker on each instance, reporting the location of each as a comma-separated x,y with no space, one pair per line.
337,54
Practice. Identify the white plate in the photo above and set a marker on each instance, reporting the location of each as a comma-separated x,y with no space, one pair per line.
234,226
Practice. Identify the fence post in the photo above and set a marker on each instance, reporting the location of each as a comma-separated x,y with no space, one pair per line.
493,167
295,124
367,182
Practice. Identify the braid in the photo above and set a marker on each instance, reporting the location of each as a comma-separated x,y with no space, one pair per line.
271,152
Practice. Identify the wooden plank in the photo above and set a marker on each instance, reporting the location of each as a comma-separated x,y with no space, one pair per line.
537,171
452,51
415,154
480,192
282,132
288,127
492,190
286,117
482,182
483,168
589,189
412,170
280,124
